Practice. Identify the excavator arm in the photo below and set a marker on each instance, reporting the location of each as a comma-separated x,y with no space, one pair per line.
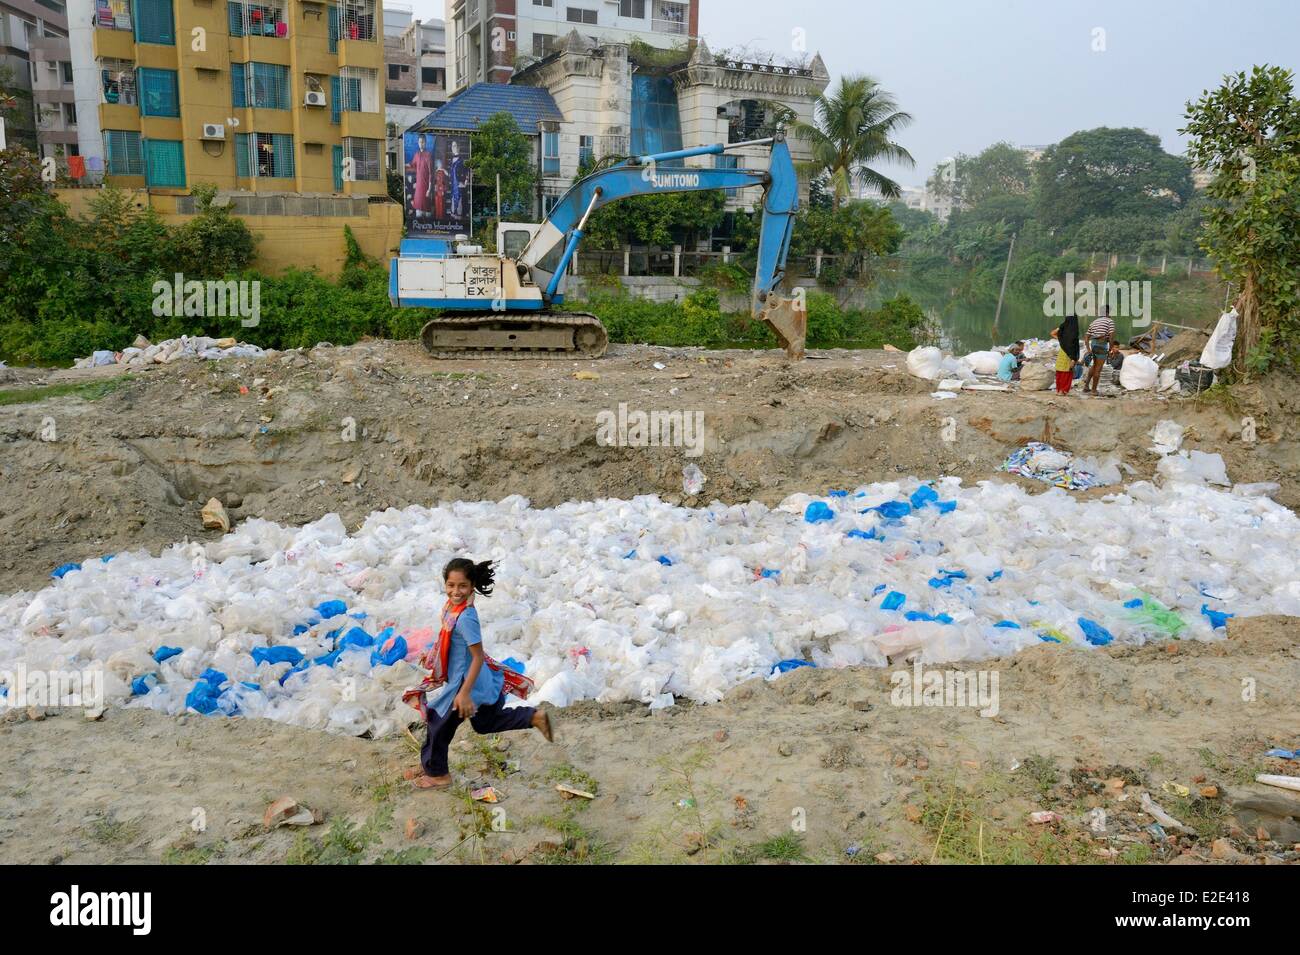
546,257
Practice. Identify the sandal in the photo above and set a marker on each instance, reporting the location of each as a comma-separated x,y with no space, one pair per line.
427,782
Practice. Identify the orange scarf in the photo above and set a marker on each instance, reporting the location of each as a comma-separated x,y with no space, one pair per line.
434,659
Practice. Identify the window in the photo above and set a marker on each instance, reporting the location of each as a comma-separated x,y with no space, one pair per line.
112,14
123,155
543,44
117,81
70,114
158,92
394,71
164,163
67,71
153,22
428,75
635,9
259,85
544,3
727,162
364,154
360,87
357,20
550,154
669,17
256,19
579,15
514,240
264,155
586,152
345,93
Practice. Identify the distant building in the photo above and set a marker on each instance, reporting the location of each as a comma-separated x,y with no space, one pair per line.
491,39
34,46
612,106
285,98
426,41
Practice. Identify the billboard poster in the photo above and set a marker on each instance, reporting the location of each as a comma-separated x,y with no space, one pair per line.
437,183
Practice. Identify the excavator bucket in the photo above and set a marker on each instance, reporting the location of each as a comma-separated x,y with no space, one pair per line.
788,317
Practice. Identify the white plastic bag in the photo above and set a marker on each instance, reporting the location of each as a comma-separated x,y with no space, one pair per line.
924,362
984,362
1218,350
1138,372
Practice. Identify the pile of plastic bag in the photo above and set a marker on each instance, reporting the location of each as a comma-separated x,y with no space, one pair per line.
145,353
1042,462
638,600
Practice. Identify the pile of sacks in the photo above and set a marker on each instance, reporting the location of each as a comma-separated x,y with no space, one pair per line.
142,352
616,600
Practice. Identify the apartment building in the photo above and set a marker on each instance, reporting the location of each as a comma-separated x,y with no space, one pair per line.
34,49
491,39
274,96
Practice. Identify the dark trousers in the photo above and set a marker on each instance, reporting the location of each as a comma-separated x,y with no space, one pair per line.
494,718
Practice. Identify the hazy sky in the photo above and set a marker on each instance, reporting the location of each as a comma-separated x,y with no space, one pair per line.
973,72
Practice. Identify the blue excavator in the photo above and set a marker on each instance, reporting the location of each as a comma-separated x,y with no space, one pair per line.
509,304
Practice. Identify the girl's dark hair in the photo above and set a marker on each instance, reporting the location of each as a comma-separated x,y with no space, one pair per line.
480,575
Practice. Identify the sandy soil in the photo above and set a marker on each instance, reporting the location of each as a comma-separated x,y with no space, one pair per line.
825,752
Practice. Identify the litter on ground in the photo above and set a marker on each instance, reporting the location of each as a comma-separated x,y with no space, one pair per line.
617,600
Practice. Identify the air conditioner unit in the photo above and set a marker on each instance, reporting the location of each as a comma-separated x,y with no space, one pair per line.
214,131
314,98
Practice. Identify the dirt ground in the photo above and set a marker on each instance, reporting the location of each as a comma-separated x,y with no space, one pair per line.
816,765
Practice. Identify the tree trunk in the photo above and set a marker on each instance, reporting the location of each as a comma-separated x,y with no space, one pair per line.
1247,324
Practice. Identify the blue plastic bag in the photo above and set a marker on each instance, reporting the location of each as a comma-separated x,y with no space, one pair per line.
1218,619
818,511
165,653
62,569
785,666
893,600
1094,632
331,608
394,653
290,655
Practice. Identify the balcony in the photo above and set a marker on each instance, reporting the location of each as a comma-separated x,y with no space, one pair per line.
113,15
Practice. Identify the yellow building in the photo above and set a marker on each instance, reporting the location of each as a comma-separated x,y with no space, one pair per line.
278,96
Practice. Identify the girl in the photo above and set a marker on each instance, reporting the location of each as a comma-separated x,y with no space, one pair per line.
1067,337
475,684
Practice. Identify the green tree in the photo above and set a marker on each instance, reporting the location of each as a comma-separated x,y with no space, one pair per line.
1000,170
497,147
215,242
855,126
1109,172
855,231
1246,133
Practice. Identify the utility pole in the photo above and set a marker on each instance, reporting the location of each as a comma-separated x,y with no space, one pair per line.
1003,291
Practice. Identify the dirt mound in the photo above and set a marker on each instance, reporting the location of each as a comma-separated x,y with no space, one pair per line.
817,765
351,430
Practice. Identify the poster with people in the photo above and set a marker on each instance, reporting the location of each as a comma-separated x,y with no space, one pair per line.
437,183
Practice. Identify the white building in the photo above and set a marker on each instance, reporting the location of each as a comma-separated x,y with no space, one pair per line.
491,39
613,106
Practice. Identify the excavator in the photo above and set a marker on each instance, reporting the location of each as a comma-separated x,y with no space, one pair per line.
510,304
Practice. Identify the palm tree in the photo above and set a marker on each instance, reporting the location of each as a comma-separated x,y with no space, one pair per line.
855,126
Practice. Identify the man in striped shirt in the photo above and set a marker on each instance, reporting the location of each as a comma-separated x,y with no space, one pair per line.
1099,341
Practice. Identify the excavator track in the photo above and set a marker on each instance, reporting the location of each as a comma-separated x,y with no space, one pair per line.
515,335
